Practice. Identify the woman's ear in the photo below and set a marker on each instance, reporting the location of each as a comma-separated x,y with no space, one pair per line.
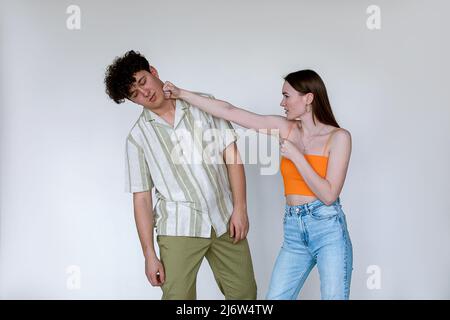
309,97
154,72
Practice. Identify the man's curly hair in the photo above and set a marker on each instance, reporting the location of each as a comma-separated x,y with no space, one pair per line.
119,75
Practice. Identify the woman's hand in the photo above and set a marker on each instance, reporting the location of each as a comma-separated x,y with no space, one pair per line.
289,150
171,91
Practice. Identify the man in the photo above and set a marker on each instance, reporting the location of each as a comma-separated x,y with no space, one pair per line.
198,202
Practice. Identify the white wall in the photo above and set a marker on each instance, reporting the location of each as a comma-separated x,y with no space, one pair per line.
62,201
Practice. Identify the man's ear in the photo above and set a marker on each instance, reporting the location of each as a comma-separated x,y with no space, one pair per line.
154,72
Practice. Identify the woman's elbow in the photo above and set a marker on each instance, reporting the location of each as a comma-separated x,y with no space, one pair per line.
330,199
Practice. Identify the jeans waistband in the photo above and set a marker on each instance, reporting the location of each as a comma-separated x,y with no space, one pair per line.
308,207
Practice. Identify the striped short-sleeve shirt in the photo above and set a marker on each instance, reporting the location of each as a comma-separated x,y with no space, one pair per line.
184,164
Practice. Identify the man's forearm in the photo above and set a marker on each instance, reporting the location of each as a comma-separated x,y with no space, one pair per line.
143,215
236,176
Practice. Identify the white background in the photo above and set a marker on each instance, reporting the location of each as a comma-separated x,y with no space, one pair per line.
62,140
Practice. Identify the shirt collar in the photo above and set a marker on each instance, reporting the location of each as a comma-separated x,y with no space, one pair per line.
180,107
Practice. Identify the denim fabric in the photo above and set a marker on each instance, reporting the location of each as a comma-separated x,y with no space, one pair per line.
314,233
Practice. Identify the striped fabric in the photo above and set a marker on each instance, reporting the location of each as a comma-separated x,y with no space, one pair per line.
185,166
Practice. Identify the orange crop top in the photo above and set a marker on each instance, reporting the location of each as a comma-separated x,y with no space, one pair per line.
293,180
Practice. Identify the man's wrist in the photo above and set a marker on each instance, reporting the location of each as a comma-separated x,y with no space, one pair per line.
150,254
240,207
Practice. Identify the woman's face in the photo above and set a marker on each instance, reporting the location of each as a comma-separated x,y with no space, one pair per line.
294,102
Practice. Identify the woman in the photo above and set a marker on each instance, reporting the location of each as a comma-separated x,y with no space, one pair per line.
315,156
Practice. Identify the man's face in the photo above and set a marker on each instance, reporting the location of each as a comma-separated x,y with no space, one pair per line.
147,89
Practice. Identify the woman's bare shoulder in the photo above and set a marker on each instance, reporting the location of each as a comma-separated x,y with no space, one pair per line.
341,133
340,137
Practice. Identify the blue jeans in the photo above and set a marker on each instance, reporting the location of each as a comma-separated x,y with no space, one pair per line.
314,233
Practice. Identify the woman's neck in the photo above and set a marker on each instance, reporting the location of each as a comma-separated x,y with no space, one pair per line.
307,126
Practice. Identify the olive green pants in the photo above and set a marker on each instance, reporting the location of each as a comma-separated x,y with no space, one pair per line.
231,265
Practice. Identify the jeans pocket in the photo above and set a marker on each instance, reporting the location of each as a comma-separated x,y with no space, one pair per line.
325,212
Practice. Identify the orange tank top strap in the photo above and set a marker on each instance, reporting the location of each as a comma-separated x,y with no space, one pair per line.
328,141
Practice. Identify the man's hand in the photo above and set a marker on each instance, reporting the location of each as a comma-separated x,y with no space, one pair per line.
239,224
154,270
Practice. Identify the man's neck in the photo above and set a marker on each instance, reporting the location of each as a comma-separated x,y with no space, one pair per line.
167,111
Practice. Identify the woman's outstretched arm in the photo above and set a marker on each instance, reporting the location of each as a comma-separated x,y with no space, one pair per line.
225,110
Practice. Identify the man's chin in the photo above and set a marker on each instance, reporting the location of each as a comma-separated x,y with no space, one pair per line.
153,105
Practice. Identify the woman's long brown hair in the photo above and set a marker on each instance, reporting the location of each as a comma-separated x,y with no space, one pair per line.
308,81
